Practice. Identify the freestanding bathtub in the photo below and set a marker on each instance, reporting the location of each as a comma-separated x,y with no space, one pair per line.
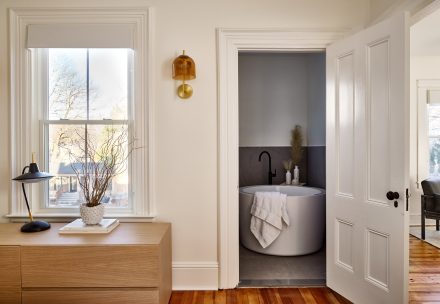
306,209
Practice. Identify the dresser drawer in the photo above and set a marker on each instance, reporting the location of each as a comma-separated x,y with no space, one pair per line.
90,266
10,296
90,297
10,278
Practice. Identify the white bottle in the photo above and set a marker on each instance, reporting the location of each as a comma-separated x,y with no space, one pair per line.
296,175
288,177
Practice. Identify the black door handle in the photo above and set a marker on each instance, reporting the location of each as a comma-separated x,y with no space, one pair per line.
392,195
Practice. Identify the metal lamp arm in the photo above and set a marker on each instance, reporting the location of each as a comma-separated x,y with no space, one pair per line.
25,196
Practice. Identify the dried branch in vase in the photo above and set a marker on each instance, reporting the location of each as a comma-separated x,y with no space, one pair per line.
98,157
297,142
287,164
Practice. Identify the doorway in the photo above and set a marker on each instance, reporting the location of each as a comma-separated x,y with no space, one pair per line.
230,43
425,149
282,129
384,47
367,231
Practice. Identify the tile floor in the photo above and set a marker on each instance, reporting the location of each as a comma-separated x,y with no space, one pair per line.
259,270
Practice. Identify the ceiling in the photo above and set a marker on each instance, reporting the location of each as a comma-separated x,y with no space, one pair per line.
425,36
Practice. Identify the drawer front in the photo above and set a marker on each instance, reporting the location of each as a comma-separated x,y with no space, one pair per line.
10,296
10,278
10,267
90,297
90,266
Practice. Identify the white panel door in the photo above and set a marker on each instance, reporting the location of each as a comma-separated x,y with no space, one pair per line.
368,156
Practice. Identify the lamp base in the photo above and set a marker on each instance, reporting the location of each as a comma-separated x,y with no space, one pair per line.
35,226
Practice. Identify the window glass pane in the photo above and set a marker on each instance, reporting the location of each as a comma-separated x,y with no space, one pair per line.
67,156
434,159
67,90
108,83
110,143
69,97
434,120
63,188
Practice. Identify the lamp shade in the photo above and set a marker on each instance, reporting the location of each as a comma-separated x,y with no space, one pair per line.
33,176
184,68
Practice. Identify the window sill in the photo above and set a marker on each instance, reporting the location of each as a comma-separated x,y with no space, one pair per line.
60,218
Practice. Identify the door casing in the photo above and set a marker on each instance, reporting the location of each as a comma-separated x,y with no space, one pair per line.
229,43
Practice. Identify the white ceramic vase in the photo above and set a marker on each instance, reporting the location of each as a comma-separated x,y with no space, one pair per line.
296,176
91,215
288,177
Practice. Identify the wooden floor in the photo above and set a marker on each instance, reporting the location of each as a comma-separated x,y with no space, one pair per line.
424,272
424,286
259,296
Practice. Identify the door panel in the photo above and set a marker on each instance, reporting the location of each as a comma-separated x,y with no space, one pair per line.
367,156
344,246
378,101
345,123
377,255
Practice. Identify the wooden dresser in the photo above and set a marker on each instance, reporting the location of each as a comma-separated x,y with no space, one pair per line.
132,264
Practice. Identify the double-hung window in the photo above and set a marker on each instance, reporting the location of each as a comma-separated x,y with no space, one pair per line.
77,78
427,149
87,92
433,111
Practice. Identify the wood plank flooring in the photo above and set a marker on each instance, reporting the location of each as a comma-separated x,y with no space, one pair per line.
259,296
424,286
424,272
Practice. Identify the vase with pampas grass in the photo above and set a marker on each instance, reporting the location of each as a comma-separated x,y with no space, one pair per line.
297,152
288,166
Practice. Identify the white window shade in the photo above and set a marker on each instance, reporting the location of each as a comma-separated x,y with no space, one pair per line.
434,97
80,35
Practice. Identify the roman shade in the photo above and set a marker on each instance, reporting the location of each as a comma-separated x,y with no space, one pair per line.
80,35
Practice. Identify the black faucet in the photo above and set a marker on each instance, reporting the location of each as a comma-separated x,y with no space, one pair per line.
270,174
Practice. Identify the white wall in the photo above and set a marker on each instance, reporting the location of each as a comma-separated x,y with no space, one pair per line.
186,131
422,67
278,91
378,7
381,9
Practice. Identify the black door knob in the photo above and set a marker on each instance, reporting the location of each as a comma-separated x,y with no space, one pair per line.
392,195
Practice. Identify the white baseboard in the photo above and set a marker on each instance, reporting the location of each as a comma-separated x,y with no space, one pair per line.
195,275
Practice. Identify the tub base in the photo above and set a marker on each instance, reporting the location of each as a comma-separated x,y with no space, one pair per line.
306,232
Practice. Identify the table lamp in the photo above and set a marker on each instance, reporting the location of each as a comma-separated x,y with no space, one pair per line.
32,176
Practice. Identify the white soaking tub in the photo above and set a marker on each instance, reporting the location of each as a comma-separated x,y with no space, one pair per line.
306,209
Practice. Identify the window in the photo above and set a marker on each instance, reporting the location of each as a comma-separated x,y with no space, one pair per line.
434,139
428,133
76,77
87,92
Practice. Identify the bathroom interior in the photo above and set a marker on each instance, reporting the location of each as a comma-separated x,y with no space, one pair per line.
277,92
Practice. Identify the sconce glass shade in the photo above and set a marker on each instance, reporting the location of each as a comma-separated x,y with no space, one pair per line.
184,68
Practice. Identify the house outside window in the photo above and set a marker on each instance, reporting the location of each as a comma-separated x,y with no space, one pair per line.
81,75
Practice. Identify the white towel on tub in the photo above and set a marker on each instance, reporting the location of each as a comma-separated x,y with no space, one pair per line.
268,212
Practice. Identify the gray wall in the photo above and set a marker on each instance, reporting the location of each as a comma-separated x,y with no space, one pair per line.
316,100
278,91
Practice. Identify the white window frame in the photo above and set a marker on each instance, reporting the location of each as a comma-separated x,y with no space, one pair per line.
26,131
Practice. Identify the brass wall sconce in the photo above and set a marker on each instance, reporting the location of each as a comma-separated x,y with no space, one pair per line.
184,68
